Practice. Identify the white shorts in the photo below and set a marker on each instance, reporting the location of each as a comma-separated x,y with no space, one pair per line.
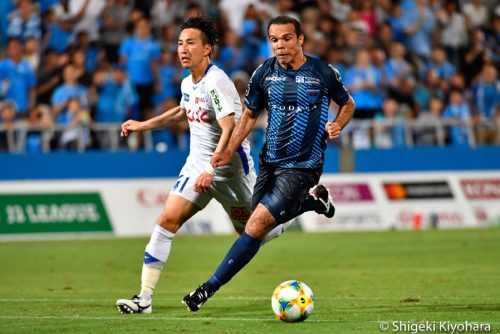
234,194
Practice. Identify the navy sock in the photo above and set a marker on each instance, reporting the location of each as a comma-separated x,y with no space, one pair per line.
242,251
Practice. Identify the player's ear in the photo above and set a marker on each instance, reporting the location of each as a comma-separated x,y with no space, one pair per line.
301,39
208,50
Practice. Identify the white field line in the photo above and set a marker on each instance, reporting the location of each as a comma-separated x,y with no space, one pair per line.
258,298
150,318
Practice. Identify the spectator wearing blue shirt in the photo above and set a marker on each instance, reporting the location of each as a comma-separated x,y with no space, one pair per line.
230,56
140,54
459,111
396,67
364,82
170,82
486,98
116,95
59,32
24,22
6,7
17,80
440,64
419,29
68,90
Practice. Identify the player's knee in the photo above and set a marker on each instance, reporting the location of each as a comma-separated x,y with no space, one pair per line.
170,222
260,223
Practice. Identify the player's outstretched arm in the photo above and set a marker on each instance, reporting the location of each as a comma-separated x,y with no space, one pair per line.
344,115
241,131
170,116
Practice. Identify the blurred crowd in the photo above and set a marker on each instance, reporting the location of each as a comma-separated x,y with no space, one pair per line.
72,65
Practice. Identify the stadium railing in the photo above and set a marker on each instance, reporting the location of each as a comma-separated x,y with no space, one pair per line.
14,139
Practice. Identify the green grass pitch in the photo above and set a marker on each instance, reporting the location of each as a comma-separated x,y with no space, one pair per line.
359,280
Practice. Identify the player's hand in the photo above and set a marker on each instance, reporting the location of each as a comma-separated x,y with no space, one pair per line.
129,127
203,183
333,130
220,159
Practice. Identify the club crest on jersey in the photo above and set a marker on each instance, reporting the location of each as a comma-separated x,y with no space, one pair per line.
299,79
215,97
185,96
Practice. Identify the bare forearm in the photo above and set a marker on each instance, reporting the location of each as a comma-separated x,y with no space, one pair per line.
345,113
242,129
163,120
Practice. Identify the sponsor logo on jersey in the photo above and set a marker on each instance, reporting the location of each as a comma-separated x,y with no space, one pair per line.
199,100
307,80
197,115
185,97
275,78
215,97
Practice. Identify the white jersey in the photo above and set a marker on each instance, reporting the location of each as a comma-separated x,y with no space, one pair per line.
205,102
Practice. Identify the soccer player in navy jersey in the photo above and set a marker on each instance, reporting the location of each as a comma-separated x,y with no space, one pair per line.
296,90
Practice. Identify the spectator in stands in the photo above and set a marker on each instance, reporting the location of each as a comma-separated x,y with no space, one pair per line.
8,137
79,61
396,67
17,80
6,7
229,56
116,95
419,29
49,75
86,13
364,82
458,111
37,127
24,22
114,22
428,126
476,14
32,53
453,28
58,31
486,99
164,13
440,64
93,57
76,133
474,57
66,91
170,81
389,126
141,53
492,37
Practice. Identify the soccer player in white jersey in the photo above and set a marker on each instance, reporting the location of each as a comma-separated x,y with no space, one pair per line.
211,105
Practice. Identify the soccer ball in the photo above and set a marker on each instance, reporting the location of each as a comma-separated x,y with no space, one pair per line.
292,301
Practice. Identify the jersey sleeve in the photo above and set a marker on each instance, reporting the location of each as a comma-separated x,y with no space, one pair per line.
336,89
221,93
184,97
254,96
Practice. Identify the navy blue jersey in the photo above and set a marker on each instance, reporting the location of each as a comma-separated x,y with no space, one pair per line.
297,102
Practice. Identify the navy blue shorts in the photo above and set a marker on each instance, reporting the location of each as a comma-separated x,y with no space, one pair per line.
283,190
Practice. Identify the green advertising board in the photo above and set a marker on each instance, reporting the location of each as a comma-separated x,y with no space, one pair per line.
52,212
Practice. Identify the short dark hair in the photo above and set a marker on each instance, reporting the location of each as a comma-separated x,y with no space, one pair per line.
209,33
286,20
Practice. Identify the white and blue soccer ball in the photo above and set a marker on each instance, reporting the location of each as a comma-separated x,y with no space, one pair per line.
292,301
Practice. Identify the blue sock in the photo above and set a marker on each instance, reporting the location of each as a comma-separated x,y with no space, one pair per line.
242,251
